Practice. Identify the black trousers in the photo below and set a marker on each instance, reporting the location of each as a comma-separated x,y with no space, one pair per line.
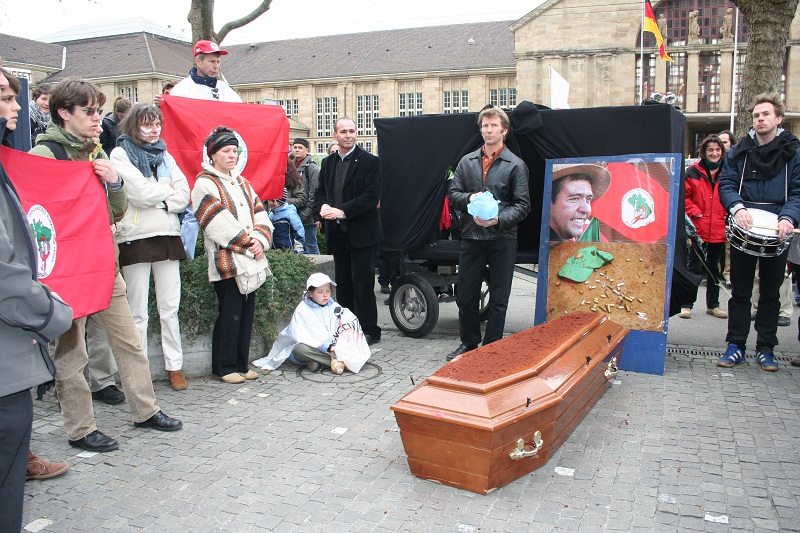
230,341
16,416
476,255
770,275
355,280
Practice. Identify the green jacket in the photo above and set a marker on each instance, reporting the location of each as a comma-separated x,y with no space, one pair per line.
88,150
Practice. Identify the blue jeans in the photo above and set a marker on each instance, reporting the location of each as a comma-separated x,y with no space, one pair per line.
310,245
476,255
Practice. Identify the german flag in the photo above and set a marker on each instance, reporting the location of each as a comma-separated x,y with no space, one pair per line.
651,25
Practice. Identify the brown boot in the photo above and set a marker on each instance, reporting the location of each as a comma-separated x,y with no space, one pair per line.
176,380
41,469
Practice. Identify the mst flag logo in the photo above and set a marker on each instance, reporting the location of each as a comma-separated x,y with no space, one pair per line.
44,233
638,208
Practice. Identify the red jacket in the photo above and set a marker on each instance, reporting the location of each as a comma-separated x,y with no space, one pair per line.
703,205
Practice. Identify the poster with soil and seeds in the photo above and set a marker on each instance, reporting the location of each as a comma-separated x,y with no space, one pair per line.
608,247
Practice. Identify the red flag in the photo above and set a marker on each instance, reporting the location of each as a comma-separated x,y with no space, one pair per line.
651,25
635,204
263,131
68,215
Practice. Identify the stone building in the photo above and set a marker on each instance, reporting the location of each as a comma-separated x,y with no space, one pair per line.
440,69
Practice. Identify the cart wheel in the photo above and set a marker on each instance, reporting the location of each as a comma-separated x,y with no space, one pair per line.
484,306
414,306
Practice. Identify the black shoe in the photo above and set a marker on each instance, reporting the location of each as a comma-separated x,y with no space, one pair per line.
463,348
95,442
110,395
784,321
161,422
385,289
372,339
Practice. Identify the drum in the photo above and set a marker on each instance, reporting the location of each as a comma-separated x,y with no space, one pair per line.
761,239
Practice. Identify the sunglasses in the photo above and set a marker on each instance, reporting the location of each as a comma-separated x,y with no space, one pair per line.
92,111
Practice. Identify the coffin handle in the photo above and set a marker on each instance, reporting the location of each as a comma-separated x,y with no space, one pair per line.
521,453
610,371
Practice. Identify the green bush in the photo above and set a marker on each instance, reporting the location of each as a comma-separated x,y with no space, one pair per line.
275,300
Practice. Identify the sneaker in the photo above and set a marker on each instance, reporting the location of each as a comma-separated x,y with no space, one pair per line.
686,312
766,360
733,356
717,312
784,321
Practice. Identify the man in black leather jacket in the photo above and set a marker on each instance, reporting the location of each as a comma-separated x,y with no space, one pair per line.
491,242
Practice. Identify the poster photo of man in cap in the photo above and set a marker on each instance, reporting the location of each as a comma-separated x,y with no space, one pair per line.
575,187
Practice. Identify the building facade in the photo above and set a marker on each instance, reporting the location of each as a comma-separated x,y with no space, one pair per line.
596,47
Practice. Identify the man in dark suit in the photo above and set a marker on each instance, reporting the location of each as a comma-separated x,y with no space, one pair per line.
347,201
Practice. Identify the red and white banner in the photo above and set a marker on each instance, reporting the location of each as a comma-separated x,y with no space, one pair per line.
68,215
263,132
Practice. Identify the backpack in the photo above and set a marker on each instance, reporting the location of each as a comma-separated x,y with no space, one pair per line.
59,152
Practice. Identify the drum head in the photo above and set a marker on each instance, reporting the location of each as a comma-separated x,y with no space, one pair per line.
763,221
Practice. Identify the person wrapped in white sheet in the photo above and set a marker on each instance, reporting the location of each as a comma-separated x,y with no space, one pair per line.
321,333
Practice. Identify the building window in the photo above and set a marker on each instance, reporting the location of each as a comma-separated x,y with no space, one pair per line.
327,114
676,77
410,104
709,18
366,145
647,87
502,91
290,106
367,109
456,102
129,91
708,82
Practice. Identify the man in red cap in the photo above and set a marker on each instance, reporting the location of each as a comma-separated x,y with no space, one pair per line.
202,82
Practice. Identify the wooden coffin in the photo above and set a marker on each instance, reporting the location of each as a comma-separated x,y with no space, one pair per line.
499,412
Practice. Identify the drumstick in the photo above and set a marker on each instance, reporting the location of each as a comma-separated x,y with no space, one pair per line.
772,228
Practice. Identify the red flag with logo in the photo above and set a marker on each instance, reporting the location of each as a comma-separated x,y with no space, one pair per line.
263,132
635,204
68,215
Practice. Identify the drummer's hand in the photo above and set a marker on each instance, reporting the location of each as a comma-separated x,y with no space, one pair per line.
485,223
743,218
784,228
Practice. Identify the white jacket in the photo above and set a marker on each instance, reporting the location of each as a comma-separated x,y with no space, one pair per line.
189,89
154,203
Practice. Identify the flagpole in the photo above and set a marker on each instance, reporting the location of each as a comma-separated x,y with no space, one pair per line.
641,57
735,65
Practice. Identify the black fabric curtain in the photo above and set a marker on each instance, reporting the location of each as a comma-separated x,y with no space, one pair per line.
416,153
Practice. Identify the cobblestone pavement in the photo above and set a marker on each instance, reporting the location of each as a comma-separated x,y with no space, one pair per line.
698,449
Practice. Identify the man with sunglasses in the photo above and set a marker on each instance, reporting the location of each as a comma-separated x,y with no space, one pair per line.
75,107
202,82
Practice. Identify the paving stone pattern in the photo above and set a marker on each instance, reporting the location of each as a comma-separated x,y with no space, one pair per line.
699,449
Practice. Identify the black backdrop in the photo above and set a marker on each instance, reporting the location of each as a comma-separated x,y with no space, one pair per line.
416,153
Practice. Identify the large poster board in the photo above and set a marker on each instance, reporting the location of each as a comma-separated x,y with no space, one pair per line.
608,247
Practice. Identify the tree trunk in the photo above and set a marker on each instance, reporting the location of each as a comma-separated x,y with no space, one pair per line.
769,22
201,18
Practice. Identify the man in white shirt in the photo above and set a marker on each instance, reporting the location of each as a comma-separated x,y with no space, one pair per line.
202,82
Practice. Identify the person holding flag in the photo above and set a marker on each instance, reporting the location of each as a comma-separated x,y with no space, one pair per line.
30,317
76,112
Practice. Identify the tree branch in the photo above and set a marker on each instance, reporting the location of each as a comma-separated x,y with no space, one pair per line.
238,23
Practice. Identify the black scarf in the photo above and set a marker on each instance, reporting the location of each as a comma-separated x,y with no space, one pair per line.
766,161
202,80
143,156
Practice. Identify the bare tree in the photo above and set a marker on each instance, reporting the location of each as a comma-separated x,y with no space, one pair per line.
201,18
769,22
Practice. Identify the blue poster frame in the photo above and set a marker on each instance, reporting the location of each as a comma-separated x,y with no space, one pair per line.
644,351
